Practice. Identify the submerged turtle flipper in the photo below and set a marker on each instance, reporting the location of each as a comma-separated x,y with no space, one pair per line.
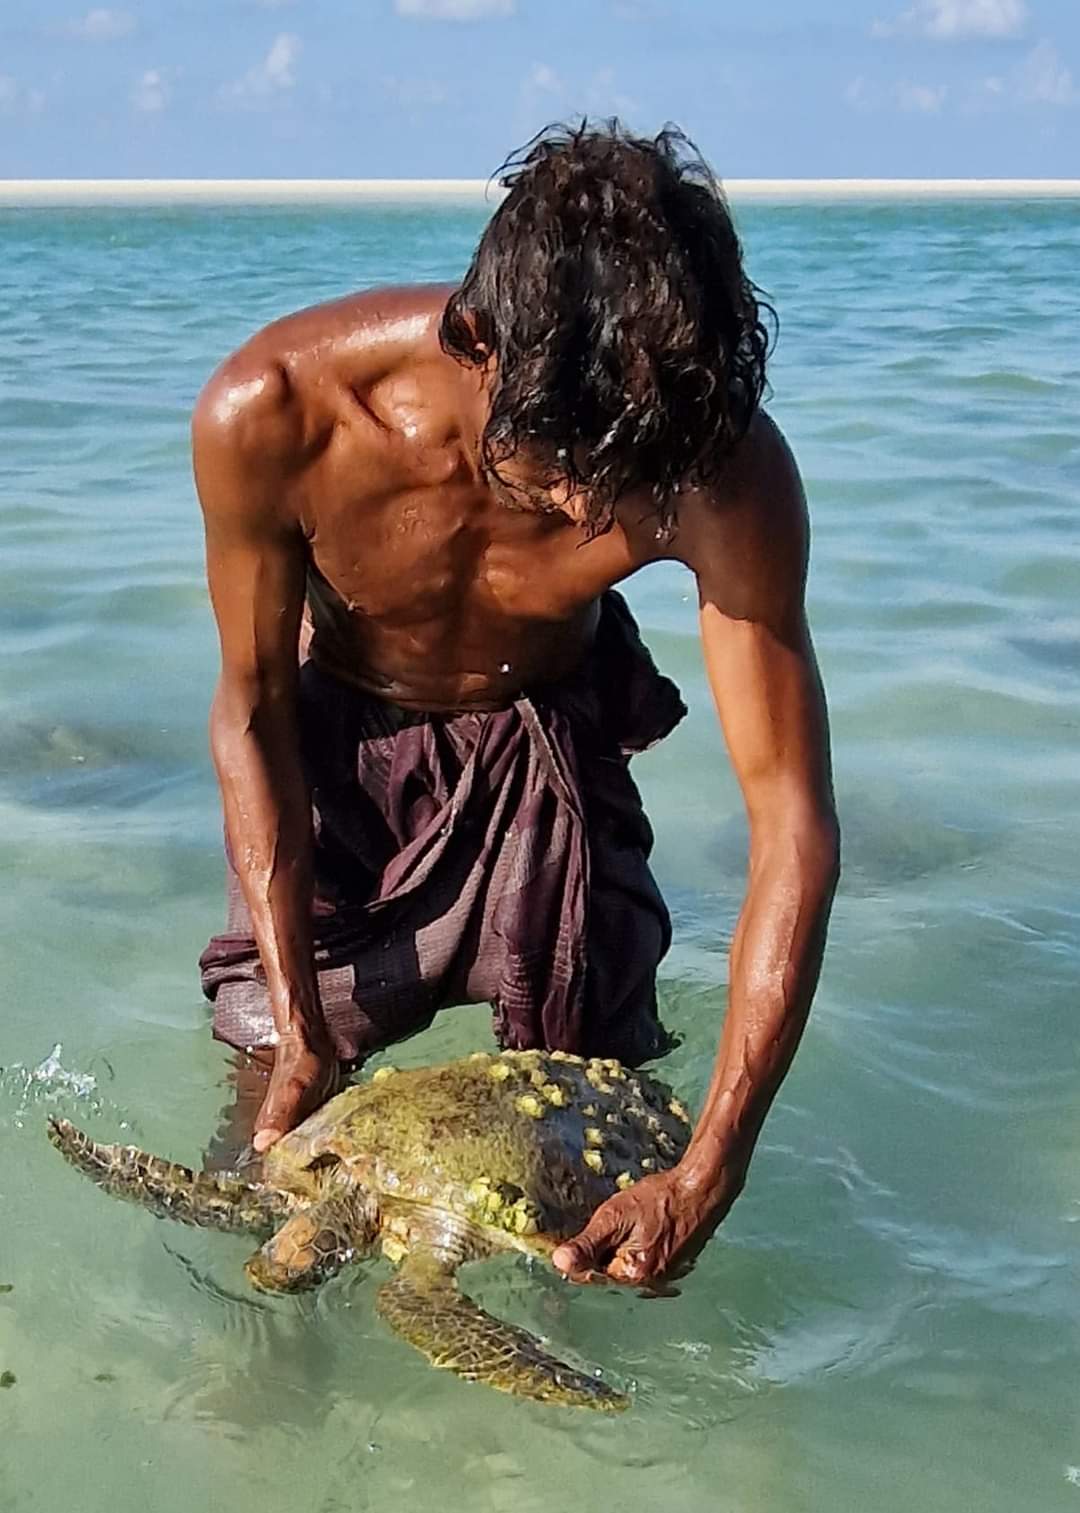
423,1304
209,1199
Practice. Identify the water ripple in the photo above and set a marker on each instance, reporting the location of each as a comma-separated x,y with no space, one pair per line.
888,1318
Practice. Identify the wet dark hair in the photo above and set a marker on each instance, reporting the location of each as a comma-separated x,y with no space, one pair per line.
629,343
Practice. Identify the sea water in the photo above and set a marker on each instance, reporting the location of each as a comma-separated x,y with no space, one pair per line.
889,1317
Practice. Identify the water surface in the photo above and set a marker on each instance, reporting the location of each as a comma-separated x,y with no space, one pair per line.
889,1317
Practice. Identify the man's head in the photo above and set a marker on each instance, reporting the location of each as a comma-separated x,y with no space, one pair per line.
626,343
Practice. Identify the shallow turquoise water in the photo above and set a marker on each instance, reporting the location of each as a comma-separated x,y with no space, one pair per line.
889,1318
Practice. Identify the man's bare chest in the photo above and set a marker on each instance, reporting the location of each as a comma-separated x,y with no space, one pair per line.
398,549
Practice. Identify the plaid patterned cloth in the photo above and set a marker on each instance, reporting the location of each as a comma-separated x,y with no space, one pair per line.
496,856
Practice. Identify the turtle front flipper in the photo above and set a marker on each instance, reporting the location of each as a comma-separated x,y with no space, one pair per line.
423,1304
315,1243
210,1200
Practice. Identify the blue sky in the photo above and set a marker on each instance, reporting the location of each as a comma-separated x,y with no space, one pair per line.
431,88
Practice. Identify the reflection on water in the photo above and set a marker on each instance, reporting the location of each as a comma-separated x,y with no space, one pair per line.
889,1317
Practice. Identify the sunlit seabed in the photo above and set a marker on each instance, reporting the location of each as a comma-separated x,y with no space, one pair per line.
889,1317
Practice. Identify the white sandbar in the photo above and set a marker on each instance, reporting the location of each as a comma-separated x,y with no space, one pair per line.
293,191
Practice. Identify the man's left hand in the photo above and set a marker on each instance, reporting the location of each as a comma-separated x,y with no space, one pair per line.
639,1235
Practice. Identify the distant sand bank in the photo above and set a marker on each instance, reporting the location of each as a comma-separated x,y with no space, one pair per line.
294,191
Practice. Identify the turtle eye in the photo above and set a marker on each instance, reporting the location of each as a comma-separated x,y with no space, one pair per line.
324,1163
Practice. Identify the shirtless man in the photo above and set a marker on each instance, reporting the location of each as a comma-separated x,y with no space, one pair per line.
417,501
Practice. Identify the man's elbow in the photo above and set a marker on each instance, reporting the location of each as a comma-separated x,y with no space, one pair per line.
804,840
231,719
818,847
250,705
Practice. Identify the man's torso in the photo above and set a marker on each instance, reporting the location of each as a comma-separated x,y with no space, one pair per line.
423,586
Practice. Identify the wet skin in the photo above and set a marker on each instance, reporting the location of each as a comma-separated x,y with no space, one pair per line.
336,463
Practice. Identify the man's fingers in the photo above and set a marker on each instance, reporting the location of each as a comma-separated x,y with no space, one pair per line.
575,1259
629,1266
279,1114
589,1252
626,1267
293,1093
586,1253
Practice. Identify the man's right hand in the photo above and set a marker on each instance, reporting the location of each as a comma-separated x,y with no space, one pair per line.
302,1079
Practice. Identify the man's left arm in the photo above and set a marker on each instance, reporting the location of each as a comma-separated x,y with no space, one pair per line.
749,553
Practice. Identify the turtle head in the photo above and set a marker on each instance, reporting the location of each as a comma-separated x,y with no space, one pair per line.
315,1242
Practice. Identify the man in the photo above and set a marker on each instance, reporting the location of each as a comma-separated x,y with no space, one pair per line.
417,502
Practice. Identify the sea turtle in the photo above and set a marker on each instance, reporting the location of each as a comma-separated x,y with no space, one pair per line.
441,1165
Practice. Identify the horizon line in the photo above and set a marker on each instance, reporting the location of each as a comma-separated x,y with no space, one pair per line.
267,190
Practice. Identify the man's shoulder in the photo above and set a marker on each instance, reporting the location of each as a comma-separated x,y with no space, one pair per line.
760,476
747,532
245,407
277,388
368,320
756,492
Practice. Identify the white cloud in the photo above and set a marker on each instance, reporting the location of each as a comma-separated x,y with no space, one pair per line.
544,80
276,69
542,96
908,95
603,97
272,76
102,25
1040,78
151,92
924,99
545,95
958,20
1043,78
857,93
17,100
455,10
599,94
993,92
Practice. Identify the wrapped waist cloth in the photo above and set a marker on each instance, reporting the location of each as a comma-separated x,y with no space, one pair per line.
494,856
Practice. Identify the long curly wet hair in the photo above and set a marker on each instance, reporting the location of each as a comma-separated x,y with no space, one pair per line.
629,345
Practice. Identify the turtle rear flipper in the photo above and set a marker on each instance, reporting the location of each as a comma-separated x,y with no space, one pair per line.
211,1200
422,1303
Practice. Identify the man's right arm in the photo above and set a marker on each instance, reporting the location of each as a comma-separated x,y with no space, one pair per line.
245,447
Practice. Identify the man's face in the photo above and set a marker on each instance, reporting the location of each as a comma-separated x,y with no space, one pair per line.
524,485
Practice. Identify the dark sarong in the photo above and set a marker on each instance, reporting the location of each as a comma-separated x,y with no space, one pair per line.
498,856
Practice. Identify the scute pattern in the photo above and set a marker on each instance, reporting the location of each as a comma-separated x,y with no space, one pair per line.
438,1165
